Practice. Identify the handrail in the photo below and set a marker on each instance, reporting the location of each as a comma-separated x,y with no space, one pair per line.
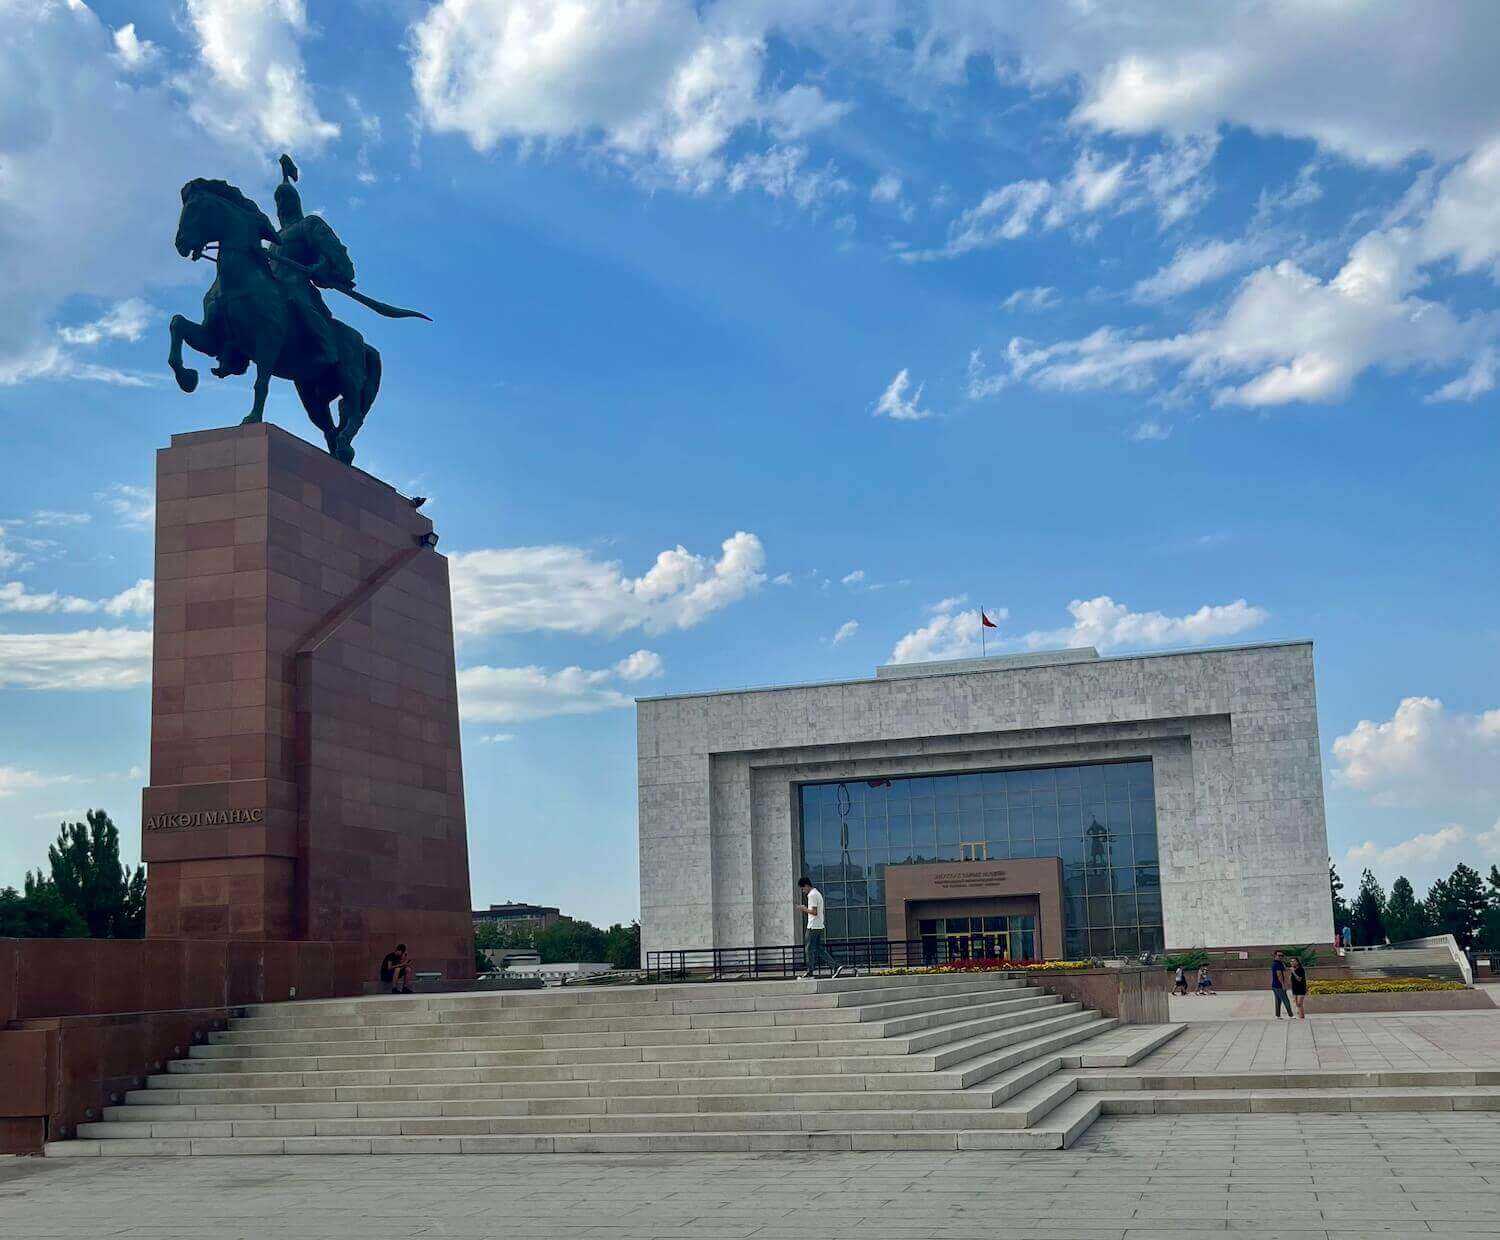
787,959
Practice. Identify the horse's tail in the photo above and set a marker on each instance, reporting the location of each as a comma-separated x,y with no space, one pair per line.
372,379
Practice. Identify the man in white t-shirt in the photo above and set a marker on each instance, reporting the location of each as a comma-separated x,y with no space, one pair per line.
812,942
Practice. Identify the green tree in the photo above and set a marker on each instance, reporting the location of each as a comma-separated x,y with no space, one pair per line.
569,940
1340,909
622,945
493,935
1405,915
1368,912
38,912
88,876
1457,905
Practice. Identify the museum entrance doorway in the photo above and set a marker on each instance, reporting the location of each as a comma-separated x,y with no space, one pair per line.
993,928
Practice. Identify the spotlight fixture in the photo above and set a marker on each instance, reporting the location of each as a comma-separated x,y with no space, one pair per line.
428,539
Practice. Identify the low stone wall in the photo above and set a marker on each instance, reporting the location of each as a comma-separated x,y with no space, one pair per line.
1258,977
1398,1001
1132,996
83,1020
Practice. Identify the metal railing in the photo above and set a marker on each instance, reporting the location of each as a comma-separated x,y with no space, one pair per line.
787,960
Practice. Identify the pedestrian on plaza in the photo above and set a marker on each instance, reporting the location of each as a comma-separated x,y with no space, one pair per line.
1179,981
1278,986
812,942
1348,937
1205,982
395,971
1299,987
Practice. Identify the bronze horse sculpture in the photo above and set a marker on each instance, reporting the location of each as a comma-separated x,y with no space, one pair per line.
264,309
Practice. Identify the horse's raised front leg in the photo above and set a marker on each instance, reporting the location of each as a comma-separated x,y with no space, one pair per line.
195,334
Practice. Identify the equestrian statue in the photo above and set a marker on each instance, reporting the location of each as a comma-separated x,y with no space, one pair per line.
265,307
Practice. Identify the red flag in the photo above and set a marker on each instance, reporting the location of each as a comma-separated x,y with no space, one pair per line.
986,623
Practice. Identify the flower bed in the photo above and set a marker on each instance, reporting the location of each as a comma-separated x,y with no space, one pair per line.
1380,986
994,966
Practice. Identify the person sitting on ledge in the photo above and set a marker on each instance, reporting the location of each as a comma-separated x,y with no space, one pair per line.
395,971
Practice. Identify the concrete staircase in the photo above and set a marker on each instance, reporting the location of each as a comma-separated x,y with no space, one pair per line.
1324,1091
977,1061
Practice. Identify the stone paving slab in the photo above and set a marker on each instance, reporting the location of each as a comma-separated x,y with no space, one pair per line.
1296,1177
1412,1040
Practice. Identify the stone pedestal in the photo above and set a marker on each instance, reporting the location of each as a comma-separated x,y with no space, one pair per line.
306,779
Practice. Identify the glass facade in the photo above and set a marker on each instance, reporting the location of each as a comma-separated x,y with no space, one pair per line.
1099,818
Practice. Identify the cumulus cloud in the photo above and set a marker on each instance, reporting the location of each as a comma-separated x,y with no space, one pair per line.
16,596
950,634
1107,625
1423,756
661,86
852,578
133,52
138,599
251,85
564,589
82,660
1427,855
517,694
67,102
894,402
845,631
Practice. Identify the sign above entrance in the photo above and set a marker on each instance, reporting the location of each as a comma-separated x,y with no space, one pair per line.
970,876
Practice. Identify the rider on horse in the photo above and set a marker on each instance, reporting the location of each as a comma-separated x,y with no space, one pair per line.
309,241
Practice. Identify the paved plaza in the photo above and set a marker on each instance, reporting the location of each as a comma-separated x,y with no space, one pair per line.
1308,1177
1228,1042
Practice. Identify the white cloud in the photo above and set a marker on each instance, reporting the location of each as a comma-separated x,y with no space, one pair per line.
1197,264
845,631
138,599
135,507
563,589
15,597
1427,855
853,578
47,517
948,604
894,403
658,85
887,188
1107,625
780,173
1422,757
252,86
517,694
497,738
1475,382
948,635
85,659
132,52
125,320
68,104
1041,297
1150,430
14,779
642,665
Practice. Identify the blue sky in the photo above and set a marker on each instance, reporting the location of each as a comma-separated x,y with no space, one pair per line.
772,340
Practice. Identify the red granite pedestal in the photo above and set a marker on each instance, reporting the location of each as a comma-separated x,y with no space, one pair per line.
306,778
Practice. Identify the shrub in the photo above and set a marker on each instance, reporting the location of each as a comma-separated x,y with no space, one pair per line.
1191,961
1307,954
1380,986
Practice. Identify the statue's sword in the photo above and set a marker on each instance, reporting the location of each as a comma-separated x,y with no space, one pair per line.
380,307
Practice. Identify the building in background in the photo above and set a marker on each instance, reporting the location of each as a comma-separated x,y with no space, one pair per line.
1046,805
533,917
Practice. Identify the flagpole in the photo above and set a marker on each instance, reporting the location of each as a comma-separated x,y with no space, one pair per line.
983,645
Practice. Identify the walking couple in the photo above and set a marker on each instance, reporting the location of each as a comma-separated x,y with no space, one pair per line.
1289,976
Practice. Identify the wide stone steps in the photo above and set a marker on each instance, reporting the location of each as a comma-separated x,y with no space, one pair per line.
1289,1101
931,1026
899,1062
